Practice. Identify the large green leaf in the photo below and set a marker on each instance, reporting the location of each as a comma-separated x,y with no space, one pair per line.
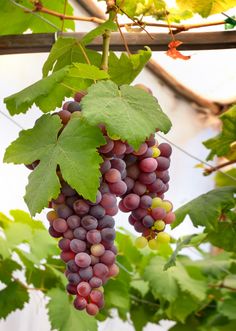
49,92
206,209
64,317
125,69
220,145
227,307
182,307
128,112
74,151
224,236
6,269
22,21
67,51
12,297
206,7
98,31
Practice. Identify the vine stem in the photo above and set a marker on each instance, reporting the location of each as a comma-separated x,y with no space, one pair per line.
177,27
208,171
105,49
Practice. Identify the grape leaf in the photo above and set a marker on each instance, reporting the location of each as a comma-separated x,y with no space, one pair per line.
227,307
128,112
4,251
141,315
220,145
21,21
13,297
225,241
179,309
117,294
206,209
141,8
6,269
125,69
222,180
98,31
162,283
127,248
207,7
49,92
64,317
74,151
67,51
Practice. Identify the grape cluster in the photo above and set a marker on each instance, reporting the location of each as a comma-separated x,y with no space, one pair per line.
140,178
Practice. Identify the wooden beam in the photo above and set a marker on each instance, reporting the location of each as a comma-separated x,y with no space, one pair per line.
90,7
42,42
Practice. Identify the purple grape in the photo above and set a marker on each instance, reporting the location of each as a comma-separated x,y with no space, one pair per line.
139,188
129,183
74,106
81,207
73,221
145,201
80,303
60,225
113,176
83,260
89,222
64,211
64,244
72,266
86,273
97,211
118,164
148,221
108,200
70,201
108,147
163,163
67,190
80,233
104,188
84,289
106,222
108,234
95,282
119,188
77,245
94,237
73,278
147,177
100,270
108,257
119,148
148,165
131,201
139,213
71,289
133,171
165,149
156,187
105,166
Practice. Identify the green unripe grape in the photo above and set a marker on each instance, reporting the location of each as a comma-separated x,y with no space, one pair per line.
167,205
155,152
152,244
156,202
159,225
141,242
113,136
163,238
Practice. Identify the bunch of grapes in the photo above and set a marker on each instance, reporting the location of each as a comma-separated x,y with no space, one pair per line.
140,178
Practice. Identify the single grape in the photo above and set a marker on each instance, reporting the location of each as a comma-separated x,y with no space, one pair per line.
148,221
118,164
167,205
81,207
141,242
148,165
112,211
113,176
70,200
163,238
139,188
130,159
108,200
108,257
131,220
133,171
145,201
64,115
72,266
170,218
96,296
54,233
155,152
51,216
147,177
139,213
106,222
89,222
74,106
92,309
77,245
165,149
152,244
73,278
86,273
139,227
119,188
64,211
163,163
159,225
95,282
67,190
97,249
97,211
156,187
113,270
71,289
122,207
158,213
163,175
64,244
129,183
79,95
108,234
60,199
104,188
105,166
156,202
60,225
80,233
84,289
94,237
83,260
100,270
68,234
73,221
80,303
131,201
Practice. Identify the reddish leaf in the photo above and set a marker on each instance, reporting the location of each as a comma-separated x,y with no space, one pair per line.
174,53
